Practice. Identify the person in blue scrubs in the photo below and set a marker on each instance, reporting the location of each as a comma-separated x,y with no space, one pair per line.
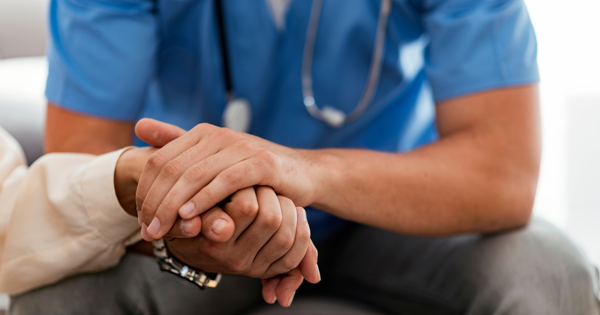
420,205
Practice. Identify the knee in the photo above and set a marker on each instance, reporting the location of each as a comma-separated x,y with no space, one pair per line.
113,291
533,268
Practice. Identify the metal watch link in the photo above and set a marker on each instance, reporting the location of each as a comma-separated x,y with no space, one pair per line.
174,266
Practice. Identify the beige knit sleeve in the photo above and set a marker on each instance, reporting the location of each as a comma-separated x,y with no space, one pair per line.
58,218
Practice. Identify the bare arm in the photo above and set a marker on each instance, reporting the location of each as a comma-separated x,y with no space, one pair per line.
68,131
481,176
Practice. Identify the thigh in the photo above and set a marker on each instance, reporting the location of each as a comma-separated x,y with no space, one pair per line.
532,270
137,286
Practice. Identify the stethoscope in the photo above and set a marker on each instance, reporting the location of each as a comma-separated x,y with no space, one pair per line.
237,114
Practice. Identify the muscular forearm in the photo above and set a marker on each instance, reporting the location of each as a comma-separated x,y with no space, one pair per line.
480,178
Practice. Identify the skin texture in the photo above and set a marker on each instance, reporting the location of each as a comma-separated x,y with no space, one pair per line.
481,176
68,131
232,249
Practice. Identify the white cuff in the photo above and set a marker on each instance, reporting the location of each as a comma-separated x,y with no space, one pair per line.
100,199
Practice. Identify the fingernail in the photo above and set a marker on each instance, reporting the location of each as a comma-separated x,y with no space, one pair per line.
301,215
154,227
139,214
318,272
218,226
273,300
187,209
291,299
186,226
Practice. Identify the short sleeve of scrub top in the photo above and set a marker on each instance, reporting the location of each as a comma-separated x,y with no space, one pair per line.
101,55
476,45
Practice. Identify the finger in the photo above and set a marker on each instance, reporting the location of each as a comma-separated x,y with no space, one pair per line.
159,159
269,290
283,251
145,233
286,289
217,225
157,133
247,173
264,227
243,209
173,188
309,266
185,228
297,253
171,173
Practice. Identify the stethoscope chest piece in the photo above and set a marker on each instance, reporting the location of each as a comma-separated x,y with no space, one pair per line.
237,115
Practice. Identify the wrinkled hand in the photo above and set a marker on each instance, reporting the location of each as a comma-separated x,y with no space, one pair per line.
292,257
271,241
206,165
130,165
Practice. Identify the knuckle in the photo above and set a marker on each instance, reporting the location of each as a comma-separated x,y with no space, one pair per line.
284,241
147,209
234,177
223,133
171,169
269,158
168,206
272,222
139,200
202,127
245,145
156,160
195,172
288,263
245,208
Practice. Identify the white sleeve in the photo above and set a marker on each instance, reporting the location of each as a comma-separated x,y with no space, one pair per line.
58,218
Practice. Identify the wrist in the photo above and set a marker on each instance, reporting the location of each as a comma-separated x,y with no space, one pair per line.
125,183
128,170
324,173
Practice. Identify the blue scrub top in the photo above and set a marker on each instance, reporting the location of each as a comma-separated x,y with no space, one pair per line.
130,59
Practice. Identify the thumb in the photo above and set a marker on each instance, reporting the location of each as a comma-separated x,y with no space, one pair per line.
157,133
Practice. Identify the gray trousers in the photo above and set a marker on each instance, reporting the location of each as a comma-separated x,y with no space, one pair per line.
533,270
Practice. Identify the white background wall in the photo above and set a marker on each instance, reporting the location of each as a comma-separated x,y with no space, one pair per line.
569,58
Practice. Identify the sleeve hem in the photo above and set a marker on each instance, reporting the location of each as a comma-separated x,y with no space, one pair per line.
443,96
100,199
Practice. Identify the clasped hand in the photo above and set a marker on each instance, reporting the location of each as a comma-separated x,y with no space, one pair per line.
223,183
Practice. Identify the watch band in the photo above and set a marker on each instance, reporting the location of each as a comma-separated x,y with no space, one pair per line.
174,266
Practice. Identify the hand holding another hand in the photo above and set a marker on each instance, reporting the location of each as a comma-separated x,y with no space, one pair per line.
256,233
271,242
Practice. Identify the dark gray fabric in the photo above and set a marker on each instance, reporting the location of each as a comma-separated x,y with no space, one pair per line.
533,270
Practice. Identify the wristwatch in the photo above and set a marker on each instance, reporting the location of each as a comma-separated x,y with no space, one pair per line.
174,266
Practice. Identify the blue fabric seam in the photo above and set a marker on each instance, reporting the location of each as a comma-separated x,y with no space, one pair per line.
485,87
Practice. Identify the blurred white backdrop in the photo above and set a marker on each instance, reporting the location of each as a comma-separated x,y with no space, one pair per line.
569,58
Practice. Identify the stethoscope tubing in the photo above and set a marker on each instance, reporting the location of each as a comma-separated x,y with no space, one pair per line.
374,72
330,115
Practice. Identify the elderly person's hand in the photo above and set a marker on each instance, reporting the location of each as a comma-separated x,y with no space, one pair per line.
271,240
191,174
